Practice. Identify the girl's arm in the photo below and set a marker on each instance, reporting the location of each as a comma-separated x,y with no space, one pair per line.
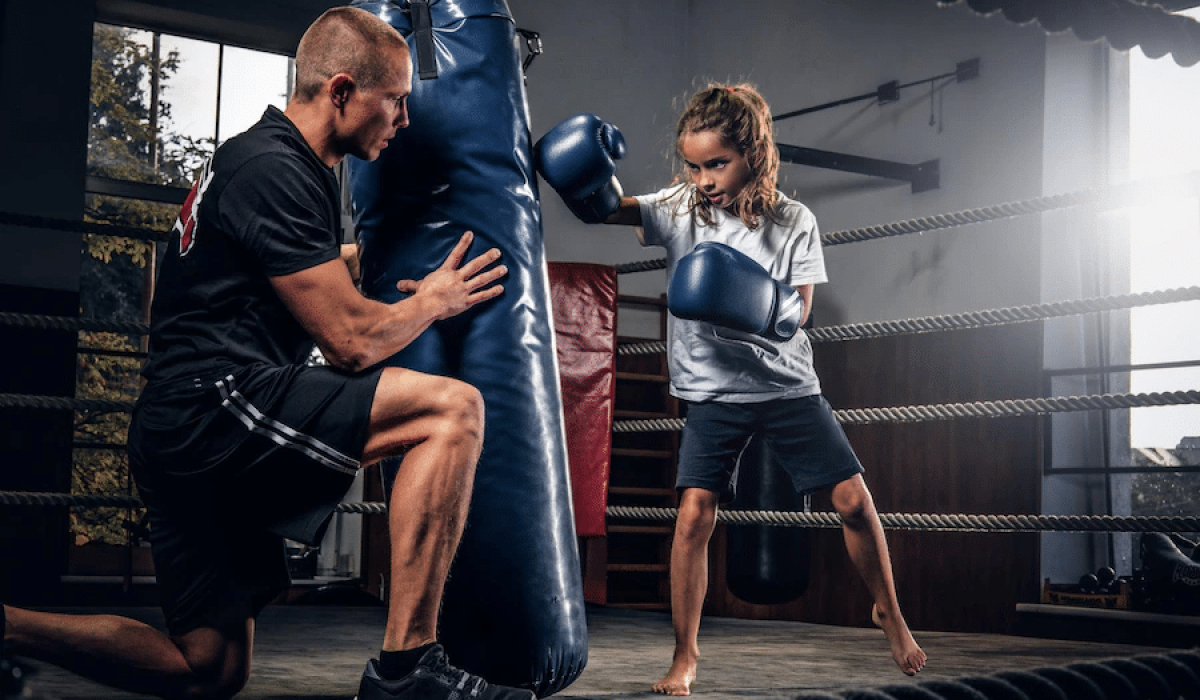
806,291
628,213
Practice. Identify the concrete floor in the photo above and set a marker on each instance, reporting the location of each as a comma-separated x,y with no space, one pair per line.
318,653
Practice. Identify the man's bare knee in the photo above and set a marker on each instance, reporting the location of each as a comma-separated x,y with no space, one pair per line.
216,678
411,409
462,408
220,669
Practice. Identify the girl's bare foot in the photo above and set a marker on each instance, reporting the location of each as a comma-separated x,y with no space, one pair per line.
678,680
907,654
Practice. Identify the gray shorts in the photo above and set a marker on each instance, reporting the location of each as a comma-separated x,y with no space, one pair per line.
803,437
231,465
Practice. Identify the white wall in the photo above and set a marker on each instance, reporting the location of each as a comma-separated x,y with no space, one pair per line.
635,62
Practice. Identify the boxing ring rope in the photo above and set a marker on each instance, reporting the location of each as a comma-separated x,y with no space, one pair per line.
953,522
973,409
71,323
1111,197
1164,676
894,521
976,409
972,319
65,403
1014,407
851,331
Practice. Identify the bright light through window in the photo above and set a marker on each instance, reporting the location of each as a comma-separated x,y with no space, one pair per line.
1165,249
192,90
250,81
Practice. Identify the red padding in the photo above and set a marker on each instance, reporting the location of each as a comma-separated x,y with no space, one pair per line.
584,297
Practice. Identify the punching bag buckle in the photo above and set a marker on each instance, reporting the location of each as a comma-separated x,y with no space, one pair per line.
533,44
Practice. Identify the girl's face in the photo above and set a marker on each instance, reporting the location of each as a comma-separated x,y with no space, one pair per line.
716,168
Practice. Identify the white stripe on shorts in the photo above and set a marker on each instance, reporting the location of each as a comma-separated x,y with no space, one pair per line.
279,433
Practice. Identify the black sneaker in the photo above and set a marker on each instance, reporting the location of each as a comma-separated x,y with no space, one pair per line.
434,679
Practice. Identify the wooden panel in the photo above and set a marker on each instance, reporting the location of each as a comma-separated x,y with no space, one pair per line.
637,552
946,580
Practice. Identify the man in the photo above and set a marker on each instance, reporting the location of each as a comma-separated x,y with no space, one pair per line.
237,443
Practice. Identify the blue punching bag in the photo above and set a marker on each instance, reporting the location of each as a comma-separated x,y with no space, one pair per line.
513,610
765,564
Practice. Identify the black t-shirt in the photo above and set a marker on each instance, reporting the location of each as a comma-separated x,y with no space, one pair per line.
264,206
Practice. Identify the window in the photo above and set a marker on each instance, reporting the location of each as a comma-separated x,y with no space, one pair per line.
1140,461
1152,462
159,106
1165,247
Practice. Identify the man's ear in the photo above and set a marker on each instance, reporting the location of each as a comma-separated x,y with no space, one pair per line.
340,88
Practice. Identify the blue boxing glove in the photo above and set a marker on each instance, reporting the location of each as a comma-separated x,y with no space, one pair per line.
717,284
576,158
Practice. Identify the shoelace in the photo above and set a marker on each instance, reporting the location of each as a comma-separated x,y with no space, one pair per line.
442,667
478,688
465,685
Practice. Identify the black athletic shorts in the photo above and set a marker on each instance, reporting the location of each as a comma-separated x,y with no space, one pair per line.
229,466
803,435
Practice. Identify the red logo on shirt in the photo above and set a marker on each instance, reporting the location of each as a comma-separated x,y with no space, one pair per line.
189,214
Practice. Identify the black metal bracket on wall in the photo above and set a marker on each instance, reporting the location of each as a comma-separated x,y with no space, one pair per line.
890,91
922,176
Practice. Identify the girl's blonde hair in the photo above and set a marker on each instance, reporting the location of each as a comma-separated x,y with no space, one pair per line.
740,115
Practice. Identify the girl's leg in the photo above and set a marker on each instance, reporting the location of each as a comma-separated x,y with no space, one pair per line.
867,546
689,584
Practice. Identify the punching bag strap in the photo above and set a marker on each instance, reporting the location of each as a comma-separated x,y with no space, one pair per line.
422,25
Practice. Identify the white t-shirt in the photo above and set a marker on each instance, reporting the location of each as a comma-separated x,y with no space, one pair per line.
715,363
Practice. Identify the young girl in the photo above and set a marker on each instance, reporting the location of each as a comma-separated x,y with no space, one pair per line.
737,385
